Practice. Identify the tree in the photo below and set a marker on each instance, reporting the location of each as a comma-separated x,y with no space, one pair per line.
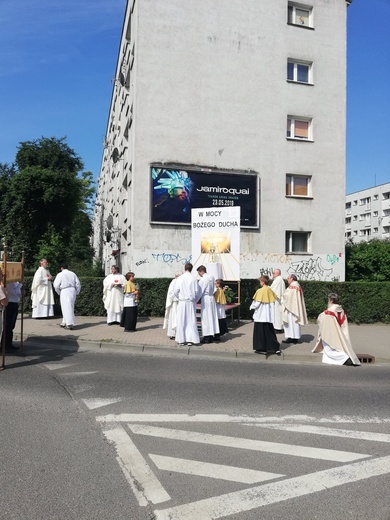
368,261
46,201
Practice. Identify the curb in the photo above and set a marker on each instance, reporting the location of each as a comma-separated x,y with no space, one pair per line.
139,348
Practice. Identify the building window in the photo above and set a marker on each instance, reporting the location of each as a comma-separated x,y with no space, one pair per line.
366,217
375,214
299,128
297,241
348,220
355,217
365,201
301,15
299,71
365,232
298,185
355,202
386,196
348,205
375,197
375,230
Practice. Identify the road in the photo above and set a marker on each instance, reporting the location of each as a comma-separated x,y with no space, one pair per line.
104,434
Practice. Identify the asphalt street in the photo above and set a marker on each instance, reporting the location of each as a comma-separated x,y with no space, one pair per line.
107,433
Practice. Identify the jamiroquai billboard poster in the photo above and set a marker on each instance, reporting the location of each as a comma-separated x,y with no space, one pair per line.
176,191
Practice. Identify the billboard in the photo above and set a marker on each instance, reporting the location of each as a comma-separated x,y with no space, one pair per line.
176,191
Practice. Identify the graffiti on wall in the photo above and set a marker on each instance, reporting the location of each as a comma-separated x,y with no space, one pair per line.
310,269
271,258
171,258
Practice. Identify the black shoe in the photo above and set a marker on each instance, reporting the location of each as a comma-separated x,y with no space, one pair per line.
260,352
348,362
279,331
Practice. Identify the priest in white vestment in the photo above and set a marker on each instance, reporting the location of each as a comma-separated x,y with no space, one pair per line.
294,310
278,287
42,295
333,335
171,308
68,286
113,296
188,292
209,317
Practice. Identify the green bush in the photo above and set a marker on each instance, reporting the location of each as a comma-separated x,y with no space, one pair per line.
364,302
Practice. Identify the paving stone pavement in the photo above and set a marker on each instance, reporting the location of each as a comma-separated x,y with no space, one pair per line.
93,332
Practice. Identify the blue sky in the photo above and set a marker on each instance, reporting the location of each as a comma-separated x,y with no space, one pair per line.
58,59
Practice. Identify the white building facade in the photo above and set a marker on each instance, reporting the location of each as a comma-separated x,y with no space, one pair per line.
367,214
222,104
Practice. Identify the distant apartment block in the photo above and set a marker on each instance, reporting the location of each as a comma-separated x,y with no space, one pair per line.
227,103
367,214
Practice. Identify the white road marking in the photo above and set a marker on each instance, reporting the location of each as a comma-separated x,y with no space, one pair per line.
206,469
137,468
331,432
57,366
241,419
274,492
92,404
80,373
83,387
138,495
247,444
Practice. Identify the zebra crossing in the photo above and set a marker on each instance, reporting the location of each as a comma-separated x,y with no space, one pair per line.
266,487
143,445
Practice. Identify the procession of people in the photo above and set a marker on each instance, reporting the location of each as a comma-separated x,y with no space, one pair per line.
195,309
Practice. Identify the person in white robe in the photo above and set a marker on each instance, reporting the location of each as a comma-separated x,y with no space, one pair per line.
42,295
188,292
264,337
294,310
68,286
171,308
333,335
209,317
113,296
278,287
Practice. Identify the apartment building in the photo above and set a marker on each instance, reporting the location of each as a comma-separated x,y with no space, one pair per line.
367,214
219,104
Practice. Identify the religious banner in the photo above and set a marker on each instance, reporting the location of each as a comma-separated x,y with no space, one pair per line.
216,241
14,271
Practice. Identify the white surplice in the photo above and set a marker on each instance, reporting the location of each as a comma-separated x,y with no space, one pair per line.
113,296
68,286
210,325
188,292
42,294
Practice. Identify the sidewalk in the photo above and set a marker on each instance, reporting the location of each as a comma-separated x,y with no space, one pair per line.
93,332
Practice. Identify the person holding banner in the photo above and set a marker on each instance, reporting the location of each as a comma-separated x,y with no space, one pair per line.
188,292
3,301
14,292
42,292
209,317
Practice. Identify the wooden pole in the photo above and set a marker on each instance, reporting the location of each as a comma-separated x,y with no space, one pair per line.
2,314
22,307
